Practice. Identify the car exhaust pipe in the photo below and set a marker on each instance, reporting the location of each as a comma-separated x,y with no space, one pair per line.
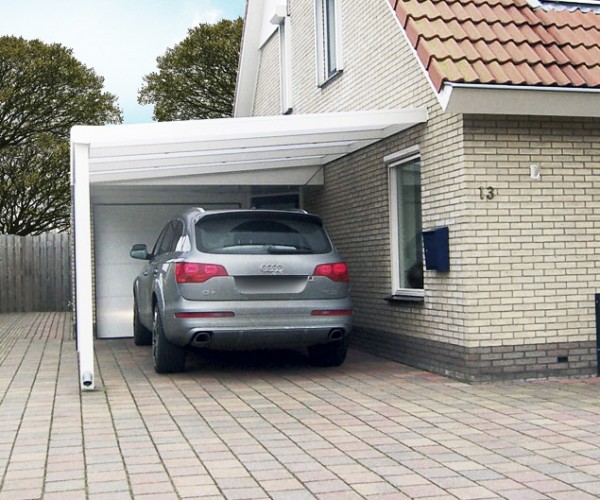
202,339
336,334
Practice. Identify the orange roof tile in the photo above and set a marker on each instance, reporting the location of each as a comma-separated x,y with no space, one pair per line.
503,42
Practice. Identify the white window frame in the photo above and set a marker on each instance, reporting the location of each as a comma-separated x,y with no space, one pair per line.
324,70
282,20
394,162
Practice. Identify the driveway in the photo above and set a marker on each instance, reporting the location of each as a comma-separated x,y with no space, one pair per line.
271,426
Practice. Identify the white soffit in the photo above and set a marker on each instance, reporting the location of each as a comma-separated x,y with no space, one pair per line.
220,151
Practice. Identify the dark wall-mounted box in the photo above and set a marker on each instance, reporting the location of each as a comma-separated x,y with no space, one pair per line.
437,249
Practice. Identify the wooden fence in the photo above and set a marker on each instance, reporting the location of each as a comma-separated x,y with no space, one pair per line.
34,273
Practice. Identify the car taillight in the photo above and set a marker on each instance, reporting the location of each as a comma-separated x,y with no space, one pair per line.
192,272
337,271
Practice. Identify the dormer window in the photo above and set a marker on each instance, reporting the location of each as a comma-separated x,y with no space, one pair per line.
329,39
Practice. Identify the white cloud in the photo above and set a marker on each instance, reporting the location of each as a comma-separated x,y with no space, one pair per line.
208,16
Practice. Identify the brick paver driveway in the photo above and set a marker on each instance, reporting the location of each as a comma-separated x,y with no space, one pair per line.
271,426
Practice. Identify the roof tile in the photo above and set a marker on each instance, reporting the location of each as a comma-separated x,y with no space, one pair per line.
504,42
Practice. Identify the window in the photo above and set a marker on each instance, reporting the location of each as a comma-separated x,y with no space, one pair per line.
261,233
168,238
282,20
405,219
329,40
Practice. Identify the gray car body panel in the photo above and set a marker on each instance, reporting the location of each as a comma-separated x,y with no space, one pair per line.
271,296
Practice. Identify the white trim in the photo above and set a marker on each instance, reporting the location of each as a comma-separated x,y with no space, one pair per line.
279,15
394,161
324,73
519,100
80,182
285,64
394,234
402,156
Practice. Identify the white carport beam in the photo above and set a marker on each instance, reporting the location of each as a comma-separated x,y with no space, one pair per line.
226,155
224,167
84,321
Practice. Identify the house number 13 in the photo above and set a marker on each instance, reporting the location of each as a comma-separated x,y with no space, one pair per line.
487,193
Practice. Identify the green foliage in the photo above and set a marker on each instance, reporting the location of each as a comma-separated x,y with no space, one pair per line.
44,91
196,79
34,187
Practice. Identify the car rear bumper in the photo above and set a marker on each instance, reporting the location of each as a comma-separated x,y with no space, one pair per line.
276,324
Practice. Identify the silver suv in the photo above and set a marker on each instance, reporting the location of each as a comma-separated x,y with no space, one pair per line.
239,280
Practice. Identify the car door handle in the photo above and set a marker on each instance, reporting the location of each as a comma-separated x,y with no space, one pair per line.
145,273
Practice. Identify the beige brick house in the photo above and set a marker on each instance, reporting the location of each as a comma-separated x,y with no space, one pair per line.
508,161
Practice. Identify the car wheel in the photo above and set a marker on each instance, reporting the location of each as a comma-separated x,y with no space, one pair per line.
331,354
141,334
168,357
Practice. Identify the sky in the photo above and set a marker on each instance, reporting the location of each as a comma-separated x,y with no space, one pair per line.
119,39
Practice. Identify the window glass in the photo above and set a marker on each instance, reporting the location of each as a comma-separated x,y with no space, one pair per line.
409,251
285,57
330,37
329,57
176,234
163,244
156,248
261,234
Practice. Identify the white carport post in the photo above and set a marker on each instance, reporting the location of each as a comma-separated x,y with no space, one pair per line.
84,320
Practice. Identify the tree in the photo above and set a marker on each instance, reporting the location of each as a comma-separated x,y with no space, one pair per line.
196,78
35,189
44,91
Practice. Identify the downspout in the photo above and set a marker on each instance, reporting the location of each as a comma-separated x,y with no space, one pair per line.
80,183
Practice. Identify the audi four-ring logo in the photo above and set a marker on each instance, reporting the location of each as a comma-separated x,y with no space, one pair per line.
272,268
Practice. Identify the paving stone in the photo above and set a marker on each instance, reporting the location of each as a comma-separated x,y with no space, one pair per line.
369,429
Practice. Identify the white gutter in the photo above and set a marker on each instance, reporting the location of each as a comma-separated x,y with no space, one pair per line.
519,100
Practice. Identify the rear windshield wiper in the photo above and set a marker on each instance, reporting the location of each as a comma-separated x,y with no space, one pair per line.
282,249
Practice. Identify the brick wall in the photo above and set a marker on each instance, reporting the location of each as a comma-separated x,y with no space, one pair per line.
268,86
536,245
525,265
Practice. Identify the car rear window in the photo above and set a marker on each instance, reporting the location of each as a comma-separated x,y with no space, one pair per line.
261,233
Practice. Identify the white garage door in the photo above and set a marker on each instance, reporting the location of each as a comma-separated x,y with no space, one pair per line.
116,229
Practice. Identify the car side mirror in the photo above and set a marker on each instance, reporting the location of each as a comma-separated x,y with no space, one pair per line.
140,252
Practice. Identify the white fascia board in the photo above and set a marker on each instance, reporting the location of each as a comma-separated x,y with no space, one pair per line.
258,28
167,136
519,100
247,76
80,182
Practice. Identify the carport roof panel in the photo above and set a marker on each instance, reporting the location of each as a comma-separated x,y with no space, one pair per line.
124,153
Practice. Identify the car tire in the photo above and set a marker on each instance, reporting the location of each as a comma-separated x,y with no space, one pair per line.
167,357
141,334
331,354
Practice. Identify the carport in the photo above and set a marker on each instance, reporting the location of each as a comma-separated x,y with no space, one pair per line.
127,179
